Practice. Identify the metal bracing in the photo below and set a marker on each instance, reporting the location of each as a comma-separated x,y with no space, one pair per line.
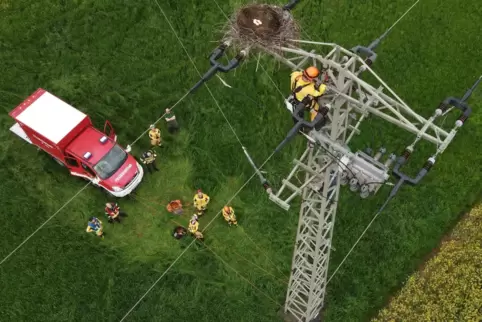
320,189
343,68
350,100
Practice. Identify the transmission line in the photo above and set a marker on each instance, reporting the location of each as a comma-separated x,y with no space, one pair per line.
197,70
189,246
82,189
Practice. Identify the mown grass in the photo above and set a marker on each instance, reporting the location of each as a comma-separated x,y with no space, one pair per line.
120,61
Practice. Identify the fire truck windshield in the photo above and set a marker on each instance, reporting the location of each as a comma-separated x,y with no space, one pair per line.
111,162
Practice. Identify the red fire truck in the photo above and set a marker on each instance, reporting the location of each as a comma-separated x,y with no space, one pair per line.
68,135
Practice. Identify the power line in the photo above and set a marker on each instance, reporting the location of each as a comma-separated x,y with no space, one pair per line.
187,247
238,91
244,278
40,227
257,266
160,118
78,192
266,255
192,61
361,236
396,22
271,79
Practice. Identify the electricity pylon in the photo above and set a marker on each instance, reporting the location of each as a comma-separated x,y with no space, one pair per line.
328,162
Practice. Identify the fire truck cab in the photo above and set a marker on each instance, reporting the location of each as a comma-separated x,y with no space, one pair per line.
69,136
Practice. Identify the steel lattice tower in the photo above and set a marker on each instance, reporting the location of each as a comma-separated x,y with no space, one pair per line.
351,100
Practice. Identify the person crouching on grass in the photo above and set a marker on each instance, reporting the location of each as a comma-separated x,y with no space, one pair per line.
95,226
113,212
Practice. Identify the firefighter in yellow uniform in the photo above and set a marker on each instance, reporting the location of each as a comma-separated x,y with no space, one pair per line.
194,226
155,136
201,201
229,216
307,89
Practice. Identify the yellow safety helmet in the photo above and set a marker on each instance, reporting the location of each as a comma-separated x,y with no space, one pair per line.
311,72
226,209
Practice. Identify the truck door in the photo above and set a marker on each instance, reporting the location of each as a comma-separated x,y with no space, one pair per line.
109,130
72,162
75,167
88,171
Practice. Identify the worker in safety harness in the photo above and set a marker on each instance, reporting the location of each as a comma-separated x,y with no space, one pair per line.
306,89
229,216
155,136
149,159
201,201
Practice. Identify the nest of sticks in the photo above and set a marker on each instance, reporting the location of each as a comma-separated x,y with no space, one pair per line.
261,26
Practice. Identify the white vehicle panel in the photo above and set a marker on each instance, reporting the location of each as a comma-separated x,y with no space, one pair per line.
51,117
20,132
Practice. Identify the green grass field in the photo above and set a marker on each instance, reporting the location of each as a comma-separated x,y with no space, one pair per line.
119,60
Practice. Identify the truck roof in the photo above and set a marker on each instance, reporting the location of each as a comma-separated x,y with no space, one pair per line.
48,115
89,141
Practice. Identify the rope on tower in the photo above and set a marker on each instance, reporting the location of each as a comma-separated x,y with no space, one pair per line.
390,197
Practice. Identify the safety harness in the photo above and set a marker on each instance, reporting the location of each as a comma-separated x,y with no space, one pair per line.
308,100
295,90
148,157
154,134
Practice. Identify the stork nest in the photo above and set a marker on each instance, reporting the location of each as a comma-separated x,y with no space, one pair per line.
261,26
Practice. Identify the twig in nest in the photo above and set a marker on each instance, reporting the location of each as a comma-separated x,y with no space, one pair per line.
261,26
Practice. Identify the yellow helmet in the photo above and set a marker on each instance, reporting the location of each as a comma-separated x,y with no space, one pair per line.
227,209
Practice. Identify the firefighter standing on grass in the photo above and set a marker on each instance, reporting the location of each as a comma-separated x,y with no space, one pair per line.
229,216
306,89
172,125
201,201
149,159
155,136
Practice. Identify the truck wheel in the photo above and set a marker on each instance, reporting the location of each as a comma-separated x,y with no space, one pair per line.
58,161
